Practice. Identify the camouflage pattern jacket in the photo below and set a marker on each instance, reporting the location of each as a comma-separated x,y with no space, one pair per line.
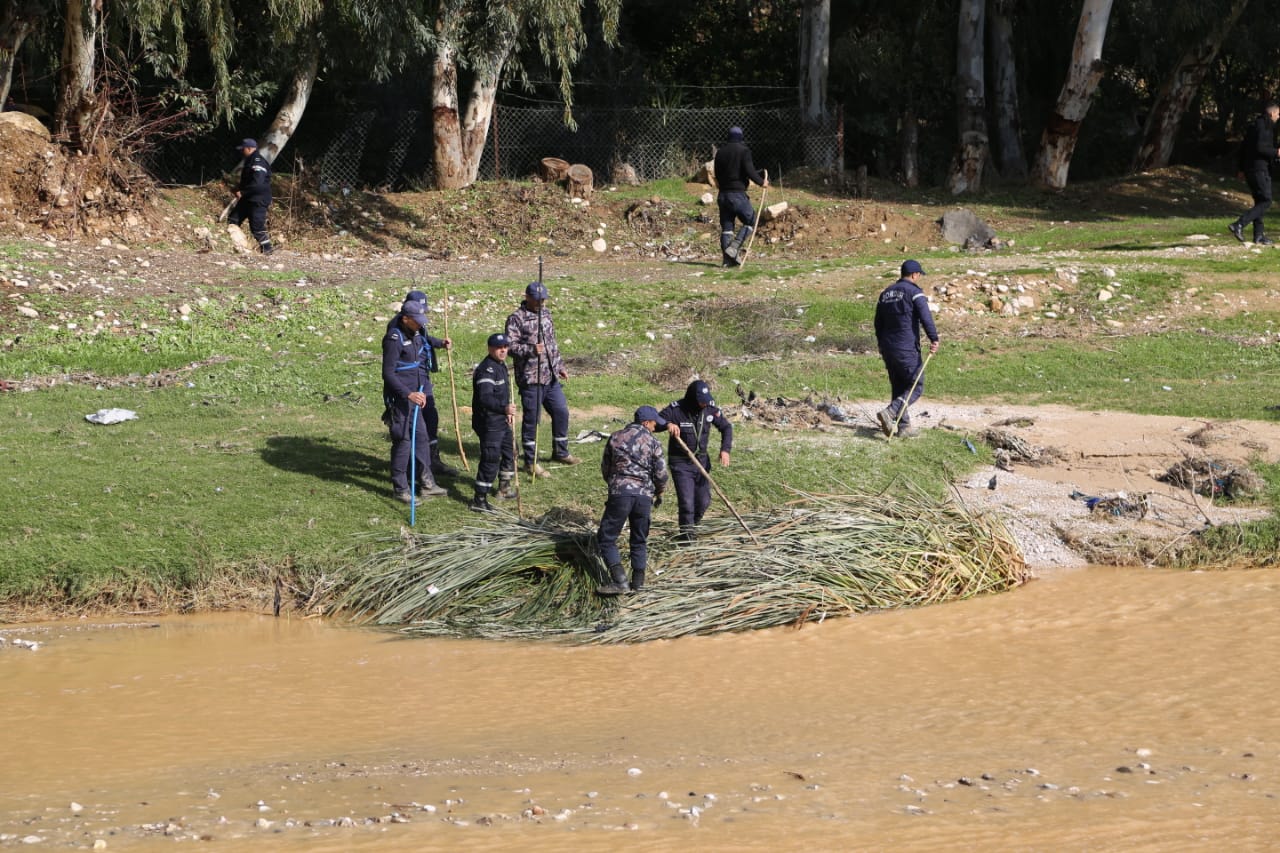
632,463
522,329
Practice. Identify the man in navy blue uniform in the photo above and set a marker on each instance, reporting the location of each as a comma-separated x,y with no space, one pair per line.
430,414
1258,152
633,467
694,415
492,414
540,372
734,172
406,385
254,196
900,313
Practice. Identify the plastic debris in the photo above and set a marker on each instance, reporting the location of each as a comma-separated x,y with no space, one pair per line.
111,416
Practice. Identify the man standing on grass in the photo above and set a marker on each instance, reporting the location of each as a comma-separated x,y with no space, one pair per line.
492,414
693,416
900,312
1258,152
430,414
539,373
406,386
734,173
633,467
254,196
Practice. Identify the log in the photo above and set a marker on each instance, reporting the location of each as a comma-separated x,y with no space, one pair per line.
580,181
625,173
552,169
773,211
707,174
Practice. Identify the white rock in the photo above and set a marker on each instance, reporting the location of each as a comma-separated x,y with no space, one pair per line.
27,311
1108,272
1105,295
706,198
599,244
100,844
76,807
634,771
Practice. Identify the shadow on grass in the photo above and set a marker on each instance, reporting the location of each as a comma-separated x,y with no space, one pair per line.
327,460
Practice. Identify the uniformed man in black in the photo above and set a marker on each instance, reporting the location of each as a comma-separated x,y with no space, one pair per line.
430,414
406,383
254,196
734,172
901,312
492,414
1258,152
692,418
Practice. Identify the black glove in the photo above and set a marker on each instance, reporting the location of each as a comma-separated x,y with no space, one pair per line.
657,501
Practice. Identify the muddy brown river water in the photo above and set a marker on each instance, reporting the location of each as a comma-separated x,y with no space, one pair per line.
1093,709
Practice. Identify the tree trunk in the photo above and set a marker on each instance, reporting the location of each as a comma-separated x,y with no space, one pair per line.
1178,91
76,102
479,114
910,141
17,22
1058,142
1008,113
286,120
815,53
446,130
971,103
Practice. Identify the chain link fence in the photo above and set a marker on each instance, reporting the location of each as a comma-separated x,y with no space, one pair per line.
395,150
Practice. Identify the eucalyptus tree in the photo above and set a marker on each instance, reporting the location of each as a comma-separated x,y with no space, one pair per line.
481,37
1011,160
971,100
18,19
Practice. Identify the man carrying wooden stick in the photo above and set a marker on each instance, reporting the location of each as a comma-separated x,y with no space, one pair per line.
734,172
540,374
692,418
901,311
406,386
633,467
492,414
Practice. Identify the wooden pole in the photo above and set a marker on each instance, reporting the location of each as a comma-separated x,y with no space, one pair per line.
675,433
453,389
746,250
906,401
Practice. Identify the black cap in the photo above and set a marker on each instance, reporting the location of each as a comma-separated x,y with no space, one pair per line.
499,340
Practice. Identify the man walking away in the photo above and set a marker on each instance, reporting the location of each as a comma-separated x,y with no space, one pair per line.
406,385
492,414
539,373
1258,152
633,467
734,172
693,416
900,312
254,196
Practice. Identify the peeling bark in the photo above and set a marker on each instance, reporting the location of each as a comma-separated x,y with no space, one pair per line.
971,101
909,141
1178,91
287,118
76,95
1058,142
446,128
815,53
1011,158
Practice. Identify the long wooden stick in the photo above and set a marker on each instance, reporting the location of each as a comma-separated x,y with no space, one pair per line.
675,433
515,456
453,389
906,401
755,226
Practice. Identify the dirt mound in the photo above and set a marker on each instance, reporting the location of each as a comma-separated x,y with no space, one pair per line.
45,188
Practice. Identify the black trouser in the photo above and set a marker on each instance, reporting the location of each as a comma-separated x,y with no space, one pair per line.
496,453
734,206
1259,180
903,366
402,441
254,210
693,491
619,510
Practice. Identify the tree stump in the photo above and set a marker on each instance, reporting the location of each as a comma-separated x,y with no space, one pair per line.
625,173
553,169
580,181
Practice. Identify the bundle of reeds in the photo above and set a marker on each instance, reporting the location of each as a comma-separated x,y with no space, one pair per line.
820,556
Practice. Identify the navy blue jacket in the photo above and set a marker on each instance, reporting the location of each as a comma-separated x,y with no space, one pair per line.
490,394
404,369
255,178
900,312
695,425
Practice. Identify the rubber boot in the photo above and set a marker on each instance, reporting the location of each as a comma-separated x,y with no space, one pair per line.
637,580
427,487
618,585
438,467
506,486
735,248
480,503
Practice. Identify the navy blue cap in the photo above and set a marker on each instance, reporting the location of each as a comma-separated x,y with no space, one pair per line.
416,296
248,143
909,267
735,134
499,340
649,413
537,290
416,311
702,393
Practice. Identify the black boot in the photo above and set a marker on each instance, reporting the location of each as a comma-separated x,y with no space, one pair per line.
637,579
506,486
438,467
618,585
480,503
427,485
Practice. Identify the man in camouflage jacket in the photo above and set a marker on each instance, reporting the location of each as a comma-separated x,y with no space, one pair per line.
539,370
633,467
